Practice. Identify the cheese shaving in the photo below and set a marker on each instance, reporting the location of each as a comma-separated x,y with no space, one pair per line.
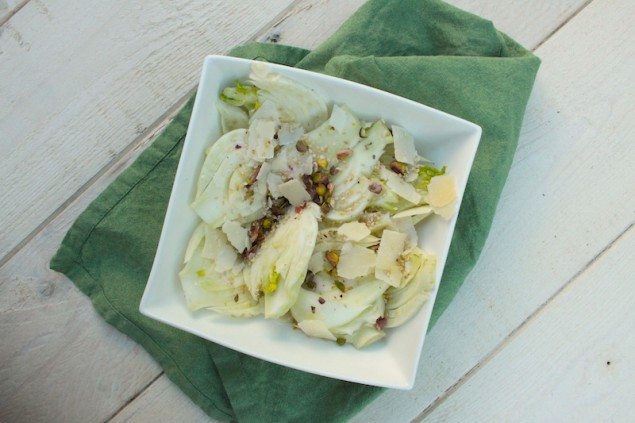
441,190
338,119
354,231
294,191
225,259
267,110
289,134
390,248
400,187
405,225
260,139
355,261
236,235
405,150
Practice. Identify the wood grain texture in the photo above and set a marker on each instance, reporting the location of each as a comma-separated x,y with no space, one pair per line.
8,8
528,22
169,405
574,362
575,140
59,360
457,344
38,251
71,101
80,81
310,22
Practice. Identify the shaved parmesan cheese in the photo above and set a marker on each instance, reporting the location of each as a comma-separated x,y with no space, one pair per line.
354,231
316,328
404,145
236,235
441,190
415,211
317,263
264,171
267,110
390,248
400,187
273,181
339,118
446,211
289,134
260,139
355,261
225,259
405,225
259,69
294,191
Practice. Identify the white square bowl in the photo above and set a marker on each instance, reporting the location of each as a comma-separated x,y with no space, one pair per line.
391,362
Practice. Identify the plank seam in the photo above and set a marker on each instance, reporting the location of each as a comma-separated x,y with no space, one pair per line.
562,24
12,13
518,329
133,397
148,134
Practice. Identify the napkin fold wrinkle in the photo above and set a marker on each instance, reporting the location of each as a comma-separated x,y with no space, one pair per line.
424,50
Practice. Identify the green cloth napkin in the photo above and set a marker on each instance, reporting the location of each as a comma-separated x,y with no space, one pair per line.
427,51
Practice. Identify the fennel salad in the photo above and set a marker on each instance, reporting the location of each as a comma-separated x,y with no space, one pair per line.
308,215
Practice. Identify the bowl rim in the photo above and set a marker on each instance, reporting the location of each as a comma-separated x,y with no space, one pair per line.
148,310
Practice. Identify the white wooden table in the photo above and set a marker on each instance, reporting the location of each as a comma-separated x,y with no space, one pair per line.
543,328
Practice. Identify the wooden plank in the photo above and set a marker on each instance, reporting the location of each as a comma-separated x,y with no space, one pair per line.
78,97
169,405
37,253
528,22
574,362
8,8
60,361
576,136
81,80
311,22
400,406
62,368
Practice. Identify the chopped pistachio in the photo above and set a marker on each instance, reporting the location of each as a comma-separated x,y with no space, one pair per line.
267,223
340,285
322,163
319,177
302,146
343,154
320,189
200,273
380,323
398,167
375,187
340,341
332,257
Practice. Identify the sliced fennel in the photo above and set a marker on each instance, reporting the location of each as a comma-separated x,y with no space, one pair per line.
310,216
